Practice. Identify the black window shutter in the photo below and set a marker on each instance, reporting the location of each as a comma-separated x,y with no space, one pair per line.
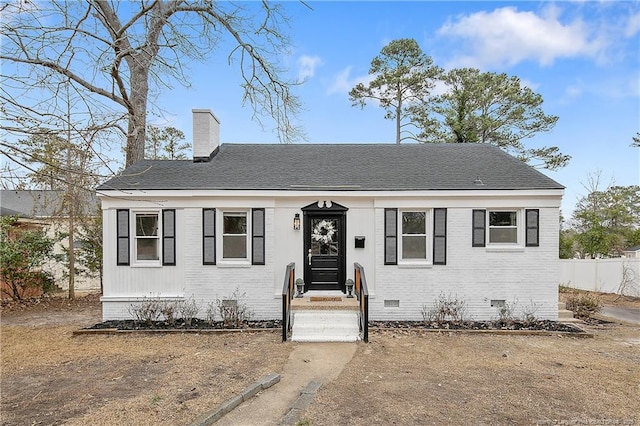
257,236
390,236
478,228
208,236
168,237
532,219
122,225
439,236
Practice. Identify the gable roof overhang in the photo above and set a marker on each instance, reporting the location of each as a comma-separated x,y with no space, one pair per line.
338,167
268,199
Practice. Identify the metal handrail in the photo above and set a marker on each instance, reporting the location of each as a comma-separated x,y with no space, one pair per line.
362,292
287,296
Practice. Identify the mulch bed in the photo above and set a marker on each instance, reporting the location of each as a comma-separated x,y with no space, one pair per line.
542,325
196,324
200,324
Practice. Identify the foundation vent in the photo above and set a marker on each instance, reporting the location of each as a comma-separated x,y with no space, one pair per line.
391,303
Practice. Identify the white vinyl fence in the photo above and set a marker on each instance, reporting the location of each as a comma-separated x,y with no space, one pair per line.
620,275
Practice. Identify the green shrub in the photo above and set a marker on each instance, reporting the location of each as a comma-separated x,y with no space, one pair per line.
22,253
45,281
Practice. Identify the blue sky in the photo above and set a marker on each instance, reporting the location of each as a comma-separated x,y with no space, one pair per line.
582,57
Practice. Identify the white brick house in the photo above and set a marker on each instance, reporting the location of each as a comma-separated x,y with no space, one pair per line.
465,220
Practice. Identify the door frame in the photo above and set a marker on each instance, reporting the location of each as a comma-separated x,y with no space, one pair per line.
331,210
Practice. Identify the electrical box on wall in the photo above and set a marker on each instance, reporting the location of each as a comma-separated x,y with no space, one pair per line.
359,242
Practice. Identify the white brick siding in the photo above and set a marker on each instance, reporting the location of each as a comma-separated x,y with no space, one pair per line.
476,275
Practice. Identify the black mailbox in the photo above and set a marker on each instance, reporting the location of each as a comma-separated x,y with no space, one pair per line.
359,242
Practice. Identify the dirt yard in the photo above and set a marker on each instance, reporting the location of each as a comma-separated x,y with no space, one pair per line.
50,377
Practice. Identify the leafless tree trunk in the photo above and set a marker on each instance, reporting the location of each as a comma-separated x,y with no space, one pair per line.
71,204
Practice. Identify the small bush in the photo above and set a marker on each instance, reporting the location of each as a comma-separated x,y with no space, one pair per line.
187,310
45,281
212,309
584,305
445,308
506,312
232,310
565,289
529,312
148,311
168,311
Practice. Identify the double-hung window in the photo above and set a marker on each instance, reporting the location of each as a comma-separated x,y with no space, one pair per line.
503,227
414,235
147,238
234,236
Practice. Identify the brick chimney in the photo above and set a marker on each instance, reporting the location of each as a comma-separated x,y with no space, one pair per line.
206,135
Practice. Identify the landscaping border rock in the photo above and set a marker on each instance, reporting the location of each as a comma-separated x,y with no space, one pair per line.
113,331
517,328
305,399
580,333
246,394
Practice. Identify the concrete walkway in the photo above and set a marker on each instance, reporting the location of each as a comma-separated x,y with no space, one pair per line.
319,362
631,315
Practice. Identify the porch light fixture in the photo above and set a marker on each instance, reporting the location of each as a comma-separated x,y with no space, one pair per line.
296,222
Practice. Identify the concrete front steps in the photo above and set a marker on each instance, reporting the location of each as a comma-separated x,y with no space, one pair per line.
325,317
565,315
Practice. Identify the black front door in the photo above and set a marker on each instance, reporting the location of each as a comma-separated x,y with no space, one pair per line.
325,257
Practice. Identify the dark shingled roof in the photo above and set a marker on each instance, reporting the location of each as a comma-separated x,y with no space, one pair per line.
38,203
340,167
29,203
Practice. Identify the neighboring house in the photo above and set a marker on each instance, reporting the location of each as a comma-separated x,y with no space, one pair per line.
632,252
41,209
424,220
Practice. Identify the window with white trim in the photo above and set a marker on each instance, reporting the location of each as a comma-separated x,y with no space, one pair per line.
414,244
415,237
146,246
503,227
235,241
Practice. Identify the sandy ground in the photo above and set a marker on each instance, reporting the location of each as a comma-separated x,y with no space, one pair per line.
320,362
414,379
50,377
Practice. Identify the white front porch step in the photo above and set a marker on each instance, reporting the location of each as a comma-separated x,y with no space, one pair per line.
325,326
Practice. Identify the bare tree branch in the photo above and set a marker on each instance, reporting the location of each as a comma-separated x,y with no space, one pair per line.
119,55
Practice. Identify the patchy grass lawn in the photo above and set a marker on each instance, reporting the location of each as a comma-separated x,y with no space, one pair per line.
52,377
400,377
427,378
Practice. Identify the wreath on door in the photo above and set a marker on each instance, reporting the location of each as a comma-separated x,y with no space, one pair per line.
323,232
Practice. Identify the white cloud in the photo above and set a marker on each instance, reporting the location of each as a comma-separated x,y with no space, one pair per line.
507,36
620,87
573,91
307,66
343,82
633,25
